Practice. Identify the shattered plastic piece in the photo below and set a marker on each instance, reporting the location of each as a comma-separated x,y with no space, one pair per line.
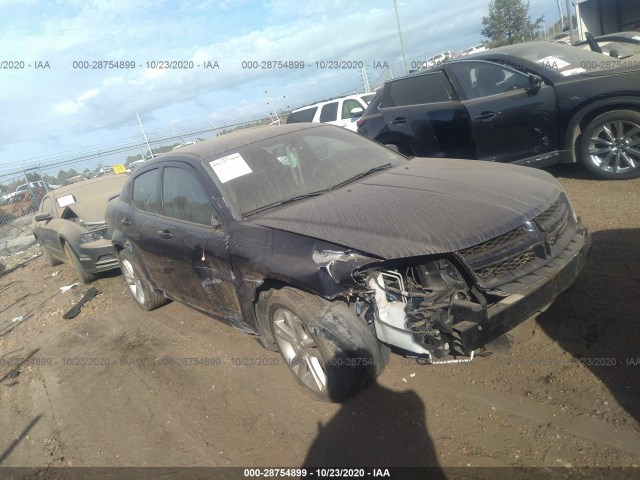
412,375
68,287
75,310
54,274
19,318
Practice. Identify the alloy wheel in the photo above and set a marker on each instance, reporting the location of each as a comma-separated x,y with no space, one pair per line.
299,350
133,282
615,147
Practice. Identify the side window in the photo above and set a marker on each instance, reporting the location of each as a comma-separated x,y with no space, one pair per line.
185,199
329,112
418,90
145,191
305,115
349,105
480,79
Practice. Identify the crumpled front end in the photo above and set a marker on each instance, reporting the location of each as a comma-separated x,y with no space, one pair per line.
453,304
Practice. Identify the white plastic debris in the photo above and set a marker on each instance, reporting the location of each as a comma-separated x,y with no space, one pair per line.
68,287
19,318
54,274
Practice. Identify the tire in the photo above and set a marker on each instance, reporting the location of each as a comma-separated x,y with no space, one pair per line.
138,287
610,145
84,277
329,350
51,261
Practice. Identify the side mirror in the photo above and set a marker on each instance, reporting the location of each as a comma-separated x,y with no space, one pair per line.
357,112
593,44
535,83
43,217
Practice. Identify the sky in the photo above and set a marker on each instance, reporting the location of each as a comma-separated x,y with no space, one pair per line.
55,109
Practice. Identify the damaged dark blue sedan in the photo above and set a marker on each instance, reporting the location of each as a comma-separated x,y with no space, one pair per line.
335,250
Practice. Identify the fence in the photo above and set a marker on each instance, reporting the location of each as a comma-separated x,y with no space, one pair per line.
22,189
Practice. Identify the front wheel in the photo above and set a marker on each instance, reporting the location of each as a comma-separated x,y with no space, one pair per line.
329,350
51,261
84,277
610,145
140,290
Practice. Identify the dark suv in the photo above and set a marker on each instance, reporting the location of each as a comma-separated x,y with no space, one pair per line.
534,104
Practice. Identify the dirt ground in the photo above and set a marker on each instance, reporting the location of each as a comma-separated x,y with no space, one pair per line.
117,386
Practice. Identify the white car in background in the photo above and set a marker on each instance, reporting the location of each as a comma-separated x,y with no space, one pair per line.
343,111
471,50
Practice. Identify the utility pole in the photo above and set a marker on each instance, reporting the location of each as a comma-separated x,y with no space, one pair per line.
561,17
570,20
404,56
145,135
365,80
273,106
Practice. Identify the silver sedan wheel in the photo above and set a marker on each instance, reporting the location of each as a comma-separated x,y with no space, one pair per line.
615,147
299,350
133,282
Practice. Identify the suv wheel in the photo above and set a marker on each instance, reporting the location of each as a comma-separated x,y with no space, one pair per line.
610,145
329,350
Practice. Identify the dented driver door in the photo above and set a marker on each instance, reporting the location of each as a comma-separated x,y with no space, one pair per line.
196,254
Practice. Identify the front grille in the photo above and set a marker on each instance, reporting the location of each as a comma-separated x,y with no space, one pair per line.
509,264
546,217
520,251
494,243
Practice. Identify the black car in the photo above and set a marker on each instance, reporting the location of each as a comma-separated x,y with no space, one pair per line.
532,104
332,248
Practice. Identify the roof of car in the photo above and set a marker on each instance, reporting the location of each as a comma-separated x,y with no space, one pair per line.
217,146
95,182
333,99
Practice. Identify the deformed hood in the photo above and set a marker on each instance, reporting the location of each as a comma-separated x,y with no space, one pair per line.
425,206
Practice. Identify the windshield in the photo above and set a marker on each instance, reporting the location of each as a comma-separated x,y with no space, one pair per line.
296,164
567,60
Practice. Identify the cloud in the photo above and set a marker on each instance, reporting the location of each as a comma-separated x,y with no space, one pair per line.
105,100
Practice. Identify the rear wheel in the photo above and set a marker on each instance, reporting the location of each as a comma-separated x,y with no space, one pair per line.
140,290
610,145
83,276
328,349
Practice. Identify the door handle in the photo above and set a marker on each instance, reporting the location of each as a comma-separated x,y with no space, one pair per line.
126,222
485,116
399,120
166,234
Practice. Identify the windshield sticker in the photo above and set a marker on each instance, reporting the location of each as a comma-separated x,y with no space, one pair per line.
230,167
553,62
573,71
65,201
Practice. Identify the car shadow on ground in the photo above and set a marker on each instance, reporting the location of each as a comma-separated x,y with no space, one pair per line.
571,170
376,428
598,322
